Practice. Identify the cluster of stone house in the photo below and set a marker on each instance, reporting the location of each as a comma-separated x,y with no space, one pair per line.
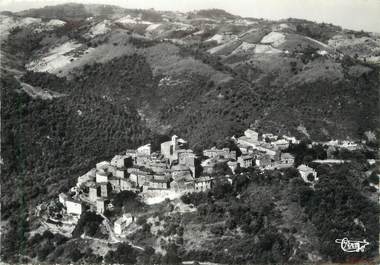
141,170
222,153
265,151
173,168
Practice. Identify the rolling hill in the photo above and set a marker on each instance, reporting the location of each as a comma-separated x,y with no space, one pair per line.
307,70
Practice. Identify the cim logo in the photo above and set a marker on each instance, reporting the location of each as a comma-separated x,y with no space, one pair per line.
351,246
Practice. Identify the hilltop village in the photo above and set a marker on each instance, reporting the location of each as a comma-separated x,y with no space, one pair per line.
81,84
175,170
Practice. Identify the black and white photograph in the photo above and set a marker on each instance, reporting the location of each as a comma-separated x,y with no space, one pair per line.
190,132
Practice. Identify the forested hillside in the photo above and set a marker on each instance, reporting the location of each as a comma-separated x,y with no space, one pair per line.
183,73
46,144
81,83
262,217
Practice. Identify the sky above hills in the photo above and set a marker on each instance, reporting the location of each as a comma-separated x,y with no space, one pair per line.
351,14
